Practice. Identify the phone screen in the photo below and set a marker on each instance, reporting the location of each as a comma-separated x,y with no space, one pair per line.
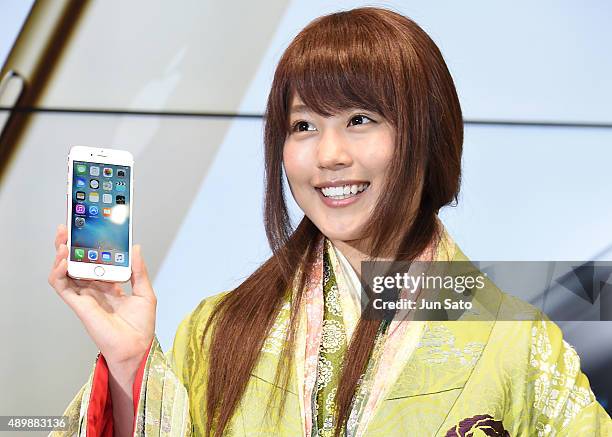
100,213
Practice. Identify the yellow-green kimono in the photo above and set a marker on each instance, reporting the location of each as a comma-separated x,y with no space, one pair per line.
512,375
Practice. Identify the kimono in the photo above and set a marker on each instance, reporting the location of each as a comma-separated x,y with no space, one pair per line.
510,375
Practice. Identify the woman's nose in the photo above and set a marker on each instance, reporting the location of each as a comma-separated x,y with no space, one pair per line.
332,151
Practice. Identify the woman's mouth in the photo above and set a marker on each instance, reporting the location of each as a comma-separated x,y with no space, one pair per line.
342,195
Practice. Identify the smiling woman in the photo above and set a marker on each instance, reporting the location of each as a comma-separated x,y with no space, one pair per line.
337,167
364,121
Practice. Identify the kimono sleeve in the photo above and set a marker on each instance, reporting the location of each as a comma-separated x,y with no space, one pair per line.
558,394
161,403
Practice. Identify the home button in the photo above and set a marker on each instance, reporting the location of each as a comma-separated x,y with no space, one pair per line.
99,271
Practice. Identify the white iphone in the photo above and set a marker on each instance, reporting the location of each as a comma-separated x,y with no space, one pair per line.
99,213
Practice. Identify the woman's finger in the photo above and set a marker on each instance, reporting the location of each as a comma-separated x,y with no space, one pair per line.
113,289
62,253
141,286
79,295
110,288
61,236
100,297
57,276
60,282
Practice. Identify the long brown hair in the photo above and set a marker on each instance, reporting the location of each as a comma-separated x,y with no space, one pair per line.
368,58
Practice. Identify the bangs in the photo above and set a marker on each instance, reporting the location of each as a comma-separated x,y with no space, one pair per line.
333,68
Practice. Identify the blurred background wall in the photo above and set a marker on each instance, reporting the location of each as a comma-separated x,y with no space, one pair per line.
183,85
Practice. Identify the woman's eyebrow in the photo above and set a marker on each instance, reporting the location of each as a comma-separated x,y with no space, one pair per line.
299,108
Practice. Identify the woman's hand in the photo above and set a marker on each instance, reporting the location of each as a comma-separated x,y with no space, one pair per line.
122,326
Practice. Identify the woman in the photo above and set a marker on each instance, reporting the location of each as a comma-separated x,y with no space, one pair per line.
364,120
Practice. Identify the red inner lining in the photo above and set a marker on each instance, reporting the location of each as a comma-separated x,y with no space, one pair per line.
100,411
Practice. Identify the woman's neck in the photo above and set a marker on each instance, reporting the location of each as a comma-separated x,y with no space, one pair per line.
353,252
353,255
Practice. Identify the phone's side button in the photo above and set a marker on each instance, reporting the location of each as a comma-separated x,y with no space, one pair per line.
99,271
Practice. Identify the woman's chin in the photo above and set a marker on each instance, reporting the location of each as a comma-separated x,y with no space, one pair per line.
335,234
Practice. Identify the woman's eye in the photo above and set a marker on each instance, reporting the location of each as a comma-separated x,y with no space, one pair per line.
360,119
302,126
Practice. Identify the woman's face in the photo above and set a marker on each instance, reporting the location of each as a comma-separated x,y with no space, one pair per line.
336,167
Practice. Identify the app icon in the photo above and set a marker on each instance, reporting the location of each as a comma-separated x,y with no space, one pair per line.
93,210
106,212
120,200
80,182
119,257
94,184
80,195
120,186
79,222
107,185
79,208
79,254
120,173
107,198
94,197
81,168
92,255
94,170
106,256
108,172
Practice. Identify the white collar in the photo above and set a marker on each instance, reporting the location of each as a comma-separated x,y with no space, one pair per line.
351,280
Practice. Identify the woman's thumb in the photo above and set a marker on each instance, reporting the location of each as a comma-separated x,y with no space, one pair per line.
141,285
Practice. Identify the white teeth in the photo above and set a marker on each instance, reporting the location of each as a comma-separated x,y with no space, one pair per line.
343,192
